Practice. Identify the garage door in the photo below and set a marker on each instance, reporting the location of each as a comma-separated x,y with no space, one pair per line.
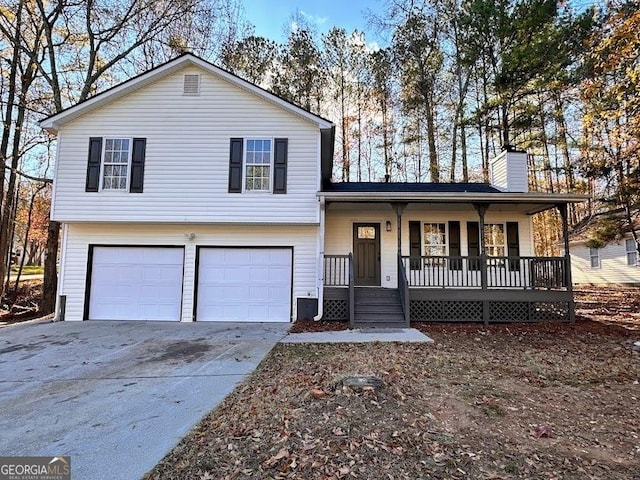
136,283
244,284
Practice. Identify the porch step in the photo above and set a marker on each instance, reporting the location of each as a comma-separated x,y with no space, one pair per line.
377,308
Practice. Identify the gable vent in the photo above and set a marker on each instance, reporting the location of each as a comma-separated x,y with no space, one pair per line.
191,85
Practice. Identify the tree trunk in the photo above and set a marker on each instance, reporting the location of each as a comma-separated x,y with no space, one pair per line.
11,235
434,168
546,160
504,117
345,140
359,133
463,147
454,150
385,138
4,147
23,257
50,287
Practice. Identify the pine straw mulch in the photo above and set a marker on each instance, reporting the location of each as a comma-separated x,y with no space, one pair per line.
22,305
553,401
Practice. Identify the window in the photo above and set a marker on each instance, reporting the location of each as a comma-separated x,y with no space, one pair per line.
632,252
367,233
594,256
258,158
435,239
116,159
494,240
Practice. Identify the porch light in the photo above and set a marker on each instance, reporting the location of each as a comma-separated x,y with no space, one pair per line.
388,225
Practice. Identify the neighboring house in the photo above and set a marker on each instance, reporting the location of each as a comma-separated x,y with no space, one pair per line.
187,194
597,262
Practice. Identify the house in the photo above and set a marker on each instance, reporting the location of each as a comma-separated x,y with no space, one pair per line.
595,260
188,194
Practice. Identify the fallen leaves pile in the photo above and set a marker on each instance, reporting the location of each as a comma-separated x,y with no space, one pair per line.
507,401
619,305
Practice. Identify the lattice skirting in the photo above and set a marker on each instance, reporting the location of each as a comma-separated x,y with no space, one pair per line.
335,310
446,311
550,311
472,311
509,311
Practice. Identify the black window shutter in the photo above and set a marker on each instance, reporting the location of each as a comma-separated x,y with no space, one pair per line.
93,164
137,165
235,165
473,243
454,245
513,245
280,165
414,245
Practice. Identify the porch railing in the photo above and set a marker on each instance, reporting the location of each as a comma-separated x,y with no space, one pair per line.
352,294
501,272
336,270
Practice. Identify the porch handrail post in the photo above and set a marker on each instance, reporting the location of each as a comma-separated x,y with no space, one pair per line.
562,208
352,305
481,208
403,287
399,207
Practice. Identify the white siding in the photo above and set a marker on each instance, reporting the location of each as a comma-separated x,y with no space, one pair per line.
613,265
509,172
498,172
340,220
339,234
73,273
187,157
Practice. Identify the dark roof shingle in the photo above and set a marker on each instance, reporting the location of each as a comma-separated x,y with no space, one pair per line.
364,187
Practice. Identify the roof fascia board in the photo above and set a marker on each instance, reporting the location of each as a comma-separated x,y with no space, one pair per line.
453,197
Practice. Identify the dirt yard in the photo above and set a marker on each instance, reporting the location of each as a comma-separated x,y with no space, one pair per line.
545,401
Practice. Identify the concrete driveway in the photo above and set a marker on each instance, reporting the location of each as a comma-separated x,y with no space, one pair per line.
117,396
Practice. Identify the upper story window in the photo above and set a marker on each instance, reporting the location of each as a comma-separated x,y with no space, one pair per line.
594,257
632,252
494,239
116,161
258,165
435,239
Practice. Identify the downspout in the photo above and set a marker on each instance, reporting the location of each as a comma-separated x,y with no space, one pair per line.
59,316
320,276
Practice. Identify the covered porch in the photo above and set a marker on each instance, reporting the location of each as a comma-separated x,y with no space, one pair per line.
427,248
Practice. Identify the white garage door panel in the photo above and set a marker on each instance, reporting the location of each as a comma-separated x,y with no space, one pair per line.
136,283
244,284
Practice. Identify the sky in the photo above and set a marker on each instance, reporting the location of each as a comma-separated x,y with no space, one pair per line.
272,18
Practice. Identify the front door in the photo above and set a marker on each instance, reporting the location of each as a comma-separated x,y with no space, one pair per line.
366,254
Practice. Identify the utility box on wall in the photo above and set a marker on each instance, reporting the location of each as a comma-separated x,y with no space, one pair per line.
307,308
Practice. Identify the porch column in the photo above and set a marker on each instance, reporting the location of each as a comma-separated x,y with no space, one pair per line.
482,208
562,209
399,207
